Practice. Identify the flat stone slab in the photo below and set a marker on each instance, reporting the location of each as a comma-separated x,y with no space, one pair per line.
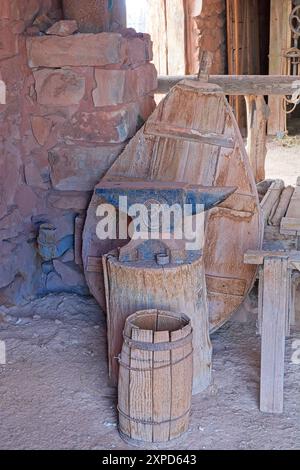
90,50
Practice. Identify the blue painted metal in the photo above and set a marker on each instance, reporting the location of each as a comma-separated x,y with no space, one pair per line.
49,247
165,193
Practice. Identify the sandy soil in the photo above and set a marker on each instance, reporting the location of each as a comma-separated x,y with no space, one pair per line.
283,160
54,391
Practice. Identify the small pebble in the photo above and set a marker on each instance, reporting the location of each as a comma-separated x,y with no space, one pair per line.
58,322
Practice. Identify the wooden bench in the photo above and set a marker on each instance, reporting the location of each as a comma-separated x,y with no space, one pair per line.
274,310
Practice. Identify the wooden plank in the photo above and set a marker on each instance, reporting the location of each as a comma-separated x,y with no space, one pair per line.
275,292
282,207
225,285
161,129
79,224
290,225
280,41
124,386
294,207
161,388
234,85
141,404
271,199
260,298
94,264
257,118
180,375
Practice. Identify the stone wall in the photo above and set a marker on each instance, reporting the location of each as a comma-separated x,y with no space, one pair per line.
212,33
72,103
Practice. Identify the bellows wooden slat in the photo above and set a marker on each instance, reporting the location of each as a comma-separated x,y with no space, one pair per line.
155,377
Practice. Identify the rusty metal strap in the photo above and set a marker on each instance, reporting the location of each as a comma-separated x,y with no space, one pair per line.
153,423
167,346
152,369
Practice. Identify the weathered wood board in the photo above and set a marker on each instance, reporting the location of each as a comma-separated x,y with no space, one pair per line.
232,229
178,288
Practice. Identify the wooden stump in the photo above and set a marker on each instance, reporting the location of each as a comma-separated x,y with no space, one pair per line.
145,285
155,380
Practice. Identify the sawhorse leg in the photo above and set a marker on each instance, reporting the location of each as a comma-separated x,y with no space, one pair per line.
275,297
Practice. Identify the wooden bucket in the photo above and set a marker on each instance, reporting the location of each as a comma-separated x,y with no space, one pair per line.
155,377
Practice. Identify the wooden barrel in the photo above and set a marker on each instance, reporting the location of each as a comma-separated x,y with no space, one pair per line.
155,376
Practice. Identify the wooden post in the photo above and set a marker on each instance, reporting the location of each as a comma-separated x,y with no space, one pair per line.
275,307
275,293
257,118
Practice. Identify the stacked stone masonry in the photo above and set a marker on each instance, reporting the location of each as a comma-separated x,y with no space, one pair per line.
73,101
212,33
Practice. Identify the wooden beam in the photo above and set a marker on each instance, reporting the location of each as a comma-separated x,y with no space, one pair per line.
258,257
160,129
239,84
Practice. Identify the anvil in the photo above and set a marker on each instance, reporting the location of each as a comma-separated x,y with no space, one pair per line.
198,198
164,193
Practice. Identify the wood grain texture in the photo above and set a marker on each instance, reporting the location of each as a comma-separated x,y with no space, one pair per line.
232,228
155,379
275,295
257,118
141,364
290,225
271,200
180,288
282,207
264,85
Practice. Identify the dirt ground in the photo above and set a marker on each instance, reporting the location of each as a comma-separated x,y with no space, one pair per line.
55,395
283,159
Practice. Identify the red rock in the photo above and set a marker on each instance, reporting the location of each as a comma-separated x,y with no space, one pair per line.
63,28
123,86
114,126
32,31
8,42
110,87
33,176
62,87
139,50
69,275
146,79
11,225
76,168
41,128
43,22
77,50
70,201
26,200
5,10
92,15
